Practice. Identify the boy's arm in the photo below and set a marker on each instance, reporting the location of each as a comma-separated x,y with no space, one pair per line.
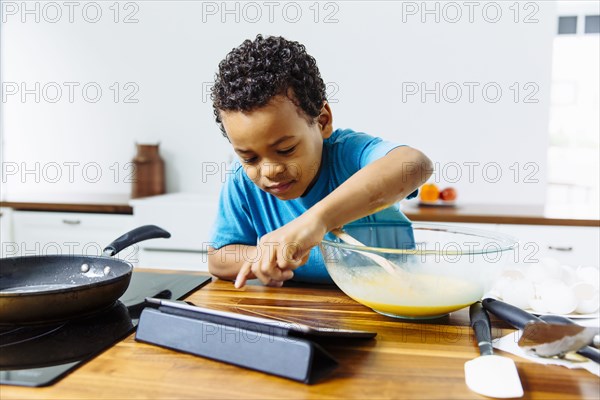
225,263
374,187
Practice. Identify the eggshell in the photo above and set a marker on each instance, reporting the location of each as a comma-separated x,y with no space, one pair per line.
557,297
589,275
537,273
507,277
551,266
568,275
537,305
518,293
588,298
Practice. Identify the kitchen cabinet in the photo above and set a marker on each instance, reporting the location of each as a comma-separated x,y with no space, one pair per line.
6,237
186,260
42,233
572,245
189,219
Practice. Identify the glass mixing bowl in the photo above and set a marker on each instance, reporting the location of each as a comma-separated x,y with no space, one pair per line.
431,269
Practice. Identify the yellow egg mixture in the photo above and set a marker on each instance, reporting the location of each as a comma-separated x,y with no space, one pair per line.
421,296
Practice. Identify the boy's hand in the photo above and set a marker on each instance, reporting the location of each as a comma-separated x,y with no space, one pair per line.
280,252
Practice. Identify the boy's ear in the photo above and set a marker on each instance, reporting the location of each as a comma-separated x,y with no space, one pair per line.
325,121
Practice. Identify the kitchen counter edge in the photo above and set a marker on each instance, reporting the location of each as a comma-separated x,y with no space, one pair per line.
484,214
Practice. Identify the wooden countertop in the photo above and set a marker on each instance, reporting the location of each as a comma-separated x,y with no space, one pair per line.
502,214
77,202
405,360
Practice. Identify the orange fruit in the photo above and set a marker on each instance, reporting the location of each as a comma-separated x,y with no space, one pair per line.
429,192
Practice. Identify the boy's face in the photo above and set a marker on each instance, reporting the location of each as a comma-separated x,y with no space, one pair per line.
279,149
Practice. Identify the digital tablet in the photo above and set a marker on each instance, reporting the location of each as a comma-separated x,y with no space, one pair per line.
257,324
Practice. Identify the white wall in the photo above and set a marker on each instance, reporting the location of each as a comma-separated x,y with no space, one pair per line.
370,53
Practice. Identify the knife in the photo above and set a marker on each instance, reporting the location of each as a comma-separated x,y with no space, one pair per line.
549,340
520,318
559,319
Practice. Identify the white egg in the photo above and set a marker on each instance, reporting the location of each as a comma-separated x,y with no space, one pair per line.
106,270
518,293
537,305
588,298
513,273
493,293
589,275
551,266
499,285
568,275
85,268
557,297
536,273
507,277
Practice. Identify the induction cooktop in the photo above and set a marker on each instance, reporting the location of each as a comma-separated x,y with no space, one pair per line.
42,355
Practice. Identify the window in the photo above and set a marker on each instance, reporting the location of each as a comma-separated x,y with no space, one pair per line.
574,128
592,24
567,25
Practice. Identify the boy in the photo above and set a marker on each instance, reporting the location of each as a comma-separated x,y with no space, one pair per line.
298,178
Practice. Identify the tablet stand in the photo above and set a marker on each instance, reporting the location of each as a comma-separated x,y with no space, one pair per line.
270,351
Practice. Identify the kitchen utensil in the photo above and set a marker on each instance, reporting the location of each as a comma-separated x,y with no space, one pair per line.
40,289
489,374
559,319
385,263
437,269
549,340
520,318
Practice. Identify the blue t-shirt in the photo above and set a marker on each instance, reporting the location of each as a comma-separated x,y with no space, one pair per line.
246,213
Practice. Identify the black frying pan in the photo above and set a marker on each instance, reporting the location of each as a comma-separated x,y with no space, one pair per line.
39,289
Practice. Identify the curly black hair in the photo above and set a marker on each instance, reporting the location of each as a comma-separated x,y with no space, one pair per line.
256,71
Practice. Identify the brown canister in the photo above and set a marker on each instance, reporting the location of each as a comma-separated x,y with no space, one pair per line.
148,171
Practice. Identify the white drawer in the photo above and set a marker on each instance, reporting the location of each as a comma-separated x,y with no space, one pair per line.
174,260
188,217
572,245
40,233
6,225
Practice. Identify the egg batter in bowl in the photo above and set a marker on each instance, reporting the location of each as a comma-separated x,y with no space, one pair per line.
424,296
443,270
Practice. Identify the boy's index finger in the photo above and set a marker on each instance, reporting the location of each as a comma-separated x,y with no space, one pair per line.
242,276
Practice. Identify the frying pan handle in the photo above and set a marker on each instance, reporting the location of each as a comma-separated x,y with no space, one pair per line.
135,236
